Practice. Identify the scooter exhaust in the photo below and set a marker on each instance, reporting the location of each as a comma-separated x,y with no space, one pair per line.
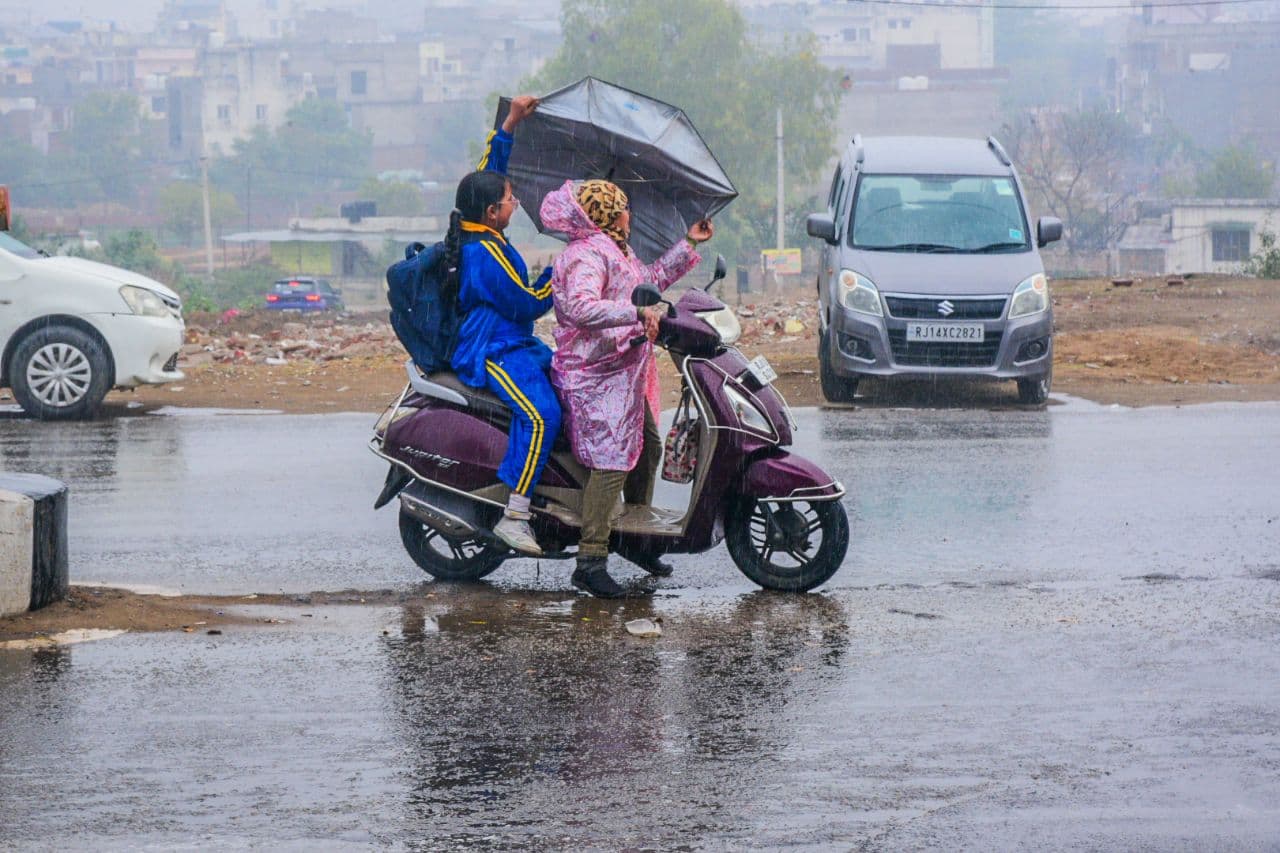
451,515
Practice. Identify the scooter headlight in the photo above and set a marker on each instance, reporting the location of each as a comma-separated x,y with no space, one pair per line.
725,322
1030,297
748,415
859,294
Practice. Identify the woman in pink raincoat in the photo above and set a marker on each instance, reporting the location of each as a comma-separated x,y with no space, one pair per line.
608,388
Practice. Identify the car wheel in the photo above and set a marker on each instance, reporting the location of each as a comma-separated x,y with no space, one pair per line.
1035,391
60,373
837,389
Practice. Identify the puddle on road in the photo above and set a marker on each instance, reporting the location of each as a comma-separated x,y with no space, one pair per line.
64,638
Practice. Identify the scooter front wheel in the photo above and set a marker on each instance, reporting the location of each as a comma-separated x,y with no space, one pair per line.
444,557
787,546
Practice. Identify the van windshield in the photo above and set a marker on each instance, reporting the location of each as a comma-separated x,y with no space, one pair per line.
17,247
970,214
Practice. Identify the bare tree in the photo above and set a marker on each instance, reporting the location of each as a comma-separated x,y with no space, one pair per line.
1074,164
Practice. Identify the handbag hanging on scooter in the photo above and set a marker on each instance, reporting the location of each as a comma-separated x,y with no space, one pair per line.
680,453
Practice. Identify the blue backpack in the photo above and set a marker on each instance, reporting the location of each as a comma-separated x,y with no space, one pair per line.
423,312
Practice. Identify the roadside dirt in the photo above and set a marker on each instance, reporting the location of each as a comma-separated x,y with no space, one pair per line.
1208,339
94,608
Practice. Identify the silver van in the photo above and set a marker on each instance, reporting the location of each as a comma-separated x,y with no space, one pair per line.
929,268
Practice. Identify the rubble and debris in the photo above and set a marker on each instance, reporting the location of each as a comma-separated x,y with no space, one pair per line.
249,337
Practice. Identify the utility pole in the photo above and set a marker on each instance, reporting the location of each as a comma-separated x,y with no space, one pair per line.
208,224
781,242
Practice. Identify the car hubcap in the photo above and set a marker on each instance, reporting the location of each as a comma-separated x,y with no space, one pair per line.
59,375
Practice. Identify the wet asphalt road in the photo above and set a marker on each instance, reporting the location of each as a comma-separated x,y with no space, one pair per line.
1054,629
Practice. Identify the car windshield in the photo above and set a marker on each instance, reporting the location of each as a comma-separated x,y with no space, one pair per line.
286,286
968,214
17,247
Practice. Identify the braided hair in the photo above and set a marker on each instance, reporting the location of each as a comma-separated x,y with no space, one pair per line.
476,192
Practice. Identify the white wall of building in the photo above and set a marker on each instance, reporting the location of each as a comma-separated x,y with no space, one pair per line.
1218,235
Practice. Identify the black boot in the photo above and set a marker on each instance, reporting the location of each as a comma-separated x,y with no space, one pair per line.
592,575
651,563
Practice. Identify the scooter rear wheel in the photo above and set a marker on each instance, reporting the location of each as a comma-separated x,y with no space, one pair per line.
446,558
786,546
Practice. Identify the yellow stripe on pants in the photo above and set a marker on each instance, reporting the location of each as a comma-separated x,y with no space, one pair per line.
535,443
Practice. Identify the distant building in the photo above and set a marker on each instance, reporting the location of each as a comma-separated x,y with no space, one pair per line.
1213,79
906,69
237,88
1198,236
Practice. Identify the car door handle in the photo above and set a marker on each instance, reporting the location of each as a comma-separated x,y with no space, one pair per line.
6,301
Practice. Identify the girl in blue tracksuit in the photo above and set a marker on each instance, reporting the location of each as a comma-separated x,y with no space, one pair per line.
496,347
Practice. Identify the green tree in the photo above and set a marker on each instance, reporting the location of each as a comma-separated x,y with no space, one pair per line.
1265,263
182,209
1073,163
105,144
697,54
1237,171
314,151
394,198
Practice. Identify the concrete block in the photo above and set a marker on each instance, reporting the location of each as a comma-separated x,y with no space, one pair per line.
33,542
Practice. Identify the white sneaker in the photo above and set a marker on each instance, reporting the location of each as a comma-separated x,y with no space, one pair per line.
516,533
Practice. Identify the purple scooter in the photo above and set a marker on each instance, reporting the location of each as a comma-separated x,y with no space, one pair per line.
780,515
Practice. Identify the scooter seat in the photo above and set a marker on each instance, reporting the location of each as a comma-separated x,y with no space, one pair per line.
485,402
480,400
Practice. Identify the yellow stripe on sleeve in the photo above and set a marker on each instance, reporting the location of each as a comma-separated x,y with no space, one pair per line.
488,149
541,293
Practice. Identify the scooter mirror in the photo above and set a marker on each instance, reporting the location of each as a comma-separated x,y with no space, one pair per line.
645,295
722,269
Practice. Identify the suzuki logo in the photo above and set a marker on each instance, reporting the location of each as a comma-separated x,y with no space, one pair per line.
945,308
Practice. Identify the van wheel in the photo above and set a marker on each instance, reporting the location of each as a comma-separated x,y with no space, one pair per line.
836,389
60,373
1035,391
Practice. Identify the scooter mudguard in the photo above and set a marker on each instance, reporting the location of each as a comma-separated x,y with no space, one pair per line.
785,476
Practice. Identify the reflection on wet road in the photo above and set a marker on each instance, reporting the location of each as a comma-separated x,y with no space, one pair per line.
1055,629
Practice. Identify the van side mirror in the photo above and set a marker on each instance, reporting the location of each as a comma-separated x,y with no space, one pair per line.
822,226
1048,230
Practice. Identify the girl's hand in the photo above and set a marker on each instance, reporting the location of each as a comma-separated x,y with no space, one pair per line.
522,106
702,231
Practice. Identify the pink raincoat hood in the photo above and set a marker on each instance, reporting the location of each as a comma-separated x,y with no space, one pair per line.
561,212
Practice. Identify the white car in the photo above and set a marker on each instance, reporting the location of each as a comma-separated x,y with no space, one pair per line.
73,329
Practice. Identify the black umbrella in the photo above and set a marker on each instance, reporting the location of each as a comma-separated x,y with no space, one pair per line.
594,129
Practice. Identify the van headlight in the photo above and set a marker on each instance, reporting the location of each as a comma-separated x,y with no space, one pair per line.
859,294
143,302
1030,297
725,322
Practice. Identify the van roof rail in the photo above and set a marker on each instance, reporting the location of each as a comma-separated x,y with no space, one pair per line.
858,153
998,149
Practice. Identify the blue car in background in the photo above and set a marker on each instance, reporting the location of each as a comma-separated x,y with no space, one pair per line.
304,293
